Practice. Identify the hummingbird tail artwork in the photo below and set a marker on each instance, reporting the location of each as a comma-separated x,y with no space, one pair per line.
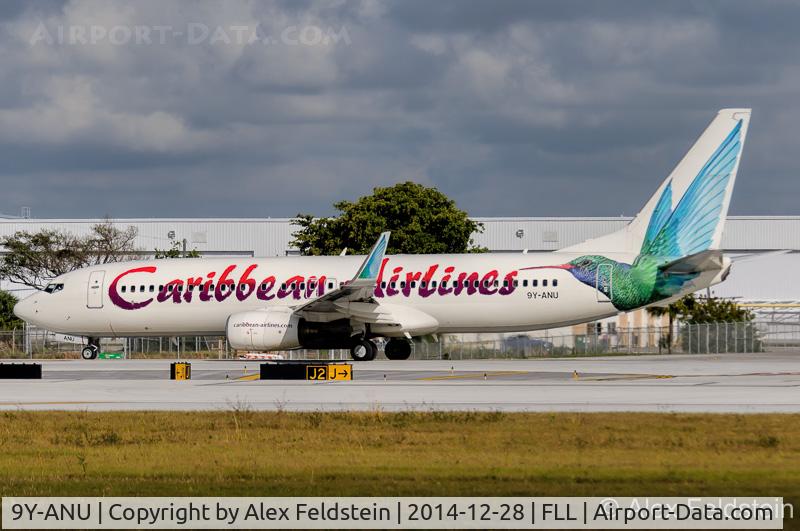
676,237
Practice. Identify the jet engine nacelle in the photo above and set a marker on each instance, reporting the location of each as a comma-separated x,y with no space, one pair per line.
268,329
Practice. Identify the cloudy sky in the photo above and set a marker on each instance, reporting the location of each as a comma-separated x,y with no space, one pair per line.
240,109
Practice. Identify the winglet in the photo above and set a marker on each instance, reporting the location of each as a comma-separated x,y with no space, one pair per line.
368,272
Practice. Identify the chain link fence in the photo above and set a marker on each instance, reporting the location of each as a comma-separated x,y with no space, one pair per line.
714,338
710,338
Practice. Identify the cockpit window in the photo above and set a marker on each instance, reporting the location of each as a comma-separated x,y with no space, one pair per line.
52,288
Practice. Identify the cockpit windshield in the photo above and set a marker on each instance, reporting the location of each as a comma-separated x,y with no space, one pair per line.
52,288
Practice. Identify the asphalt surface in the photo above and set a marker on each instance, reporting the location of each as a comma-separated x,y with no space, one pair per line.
737,383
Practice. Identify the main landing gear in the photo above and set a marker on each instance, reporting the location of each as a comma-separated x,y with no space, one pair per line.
363,350
90,351
397,349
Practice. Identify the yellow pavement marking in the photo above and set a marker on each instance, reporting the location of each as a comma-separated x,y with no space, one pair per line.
627,377
249,377
476,375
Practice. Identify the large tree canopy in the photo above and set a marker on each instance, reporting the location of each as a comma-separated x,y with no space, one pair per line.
34,258
422,220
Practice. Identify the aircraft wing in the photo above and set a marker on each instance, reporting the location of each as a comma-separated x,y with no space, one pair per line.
360,289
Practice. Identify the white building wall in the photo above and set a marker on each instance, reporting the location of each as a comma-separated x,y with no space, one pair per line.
271,236
237,236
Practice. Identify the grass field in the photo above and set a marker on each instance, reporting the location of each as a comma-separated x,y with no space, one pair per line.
240,452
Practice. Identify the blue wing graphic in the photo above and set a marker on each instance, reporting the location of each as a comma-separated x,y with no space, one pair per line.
690,228
660,215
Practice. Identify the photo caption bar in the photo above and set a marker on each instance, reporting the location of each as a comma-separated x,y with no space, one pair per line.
393,513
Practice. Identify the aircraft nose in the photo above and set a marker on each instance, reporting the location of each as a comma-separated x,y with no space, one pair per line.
27,308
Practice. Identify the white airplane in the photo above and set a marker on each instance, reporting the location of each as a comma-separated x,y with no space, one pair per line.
670,249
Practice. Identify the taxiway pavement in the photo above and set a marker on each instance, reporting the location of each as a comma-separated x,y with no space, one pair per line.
730,383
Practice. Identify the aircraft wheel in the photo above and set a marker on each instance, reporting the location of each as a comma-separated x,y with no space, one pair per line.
397,349
89,352
363,350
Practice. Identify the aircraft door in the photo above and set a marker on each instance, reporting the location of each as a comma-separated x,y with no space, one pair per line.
94,296
604,283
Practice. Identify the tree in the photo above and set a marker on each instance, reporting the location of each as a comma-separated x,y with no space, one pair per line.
700,310
176,251
35,258
108,243
7,318
672,311
422,220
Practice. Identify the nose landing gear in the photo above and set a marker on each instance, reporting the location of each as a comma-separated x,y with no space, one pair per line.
90,351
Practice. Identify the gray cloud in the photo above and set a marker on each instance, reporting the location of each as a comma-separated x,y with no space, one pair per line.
512,108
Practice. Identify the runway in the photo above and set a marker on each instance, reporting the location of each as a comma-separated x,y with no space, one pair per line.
731,383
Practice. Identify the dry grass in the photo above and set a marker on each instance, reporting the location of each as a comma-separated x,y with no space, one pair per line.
240,452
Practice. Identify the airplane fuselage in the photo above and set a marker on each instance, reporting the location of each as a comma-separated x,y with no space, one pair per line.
463,293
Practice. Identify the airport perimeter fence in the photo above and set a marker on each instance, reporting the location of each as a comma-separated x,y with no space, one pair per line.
708,338
713,338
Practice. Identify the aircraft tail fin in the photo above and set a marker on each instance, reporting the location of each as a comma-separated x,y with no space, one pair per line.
687,213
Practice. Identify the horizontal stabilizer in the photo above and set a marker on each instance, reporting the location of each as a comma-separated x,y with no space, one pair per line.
696,263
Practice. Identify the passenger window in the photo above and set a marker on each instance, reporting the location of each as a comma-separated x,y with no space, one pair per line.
444,283
133,289
152,288
330,285
466,283
525,283
160,287
402,284
496,283
534,282
383,285
180,287
423,283
302,285
393,285
505,283
544,283
433,283
263,287
123,290
555,282
283,287
475,284
516,283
